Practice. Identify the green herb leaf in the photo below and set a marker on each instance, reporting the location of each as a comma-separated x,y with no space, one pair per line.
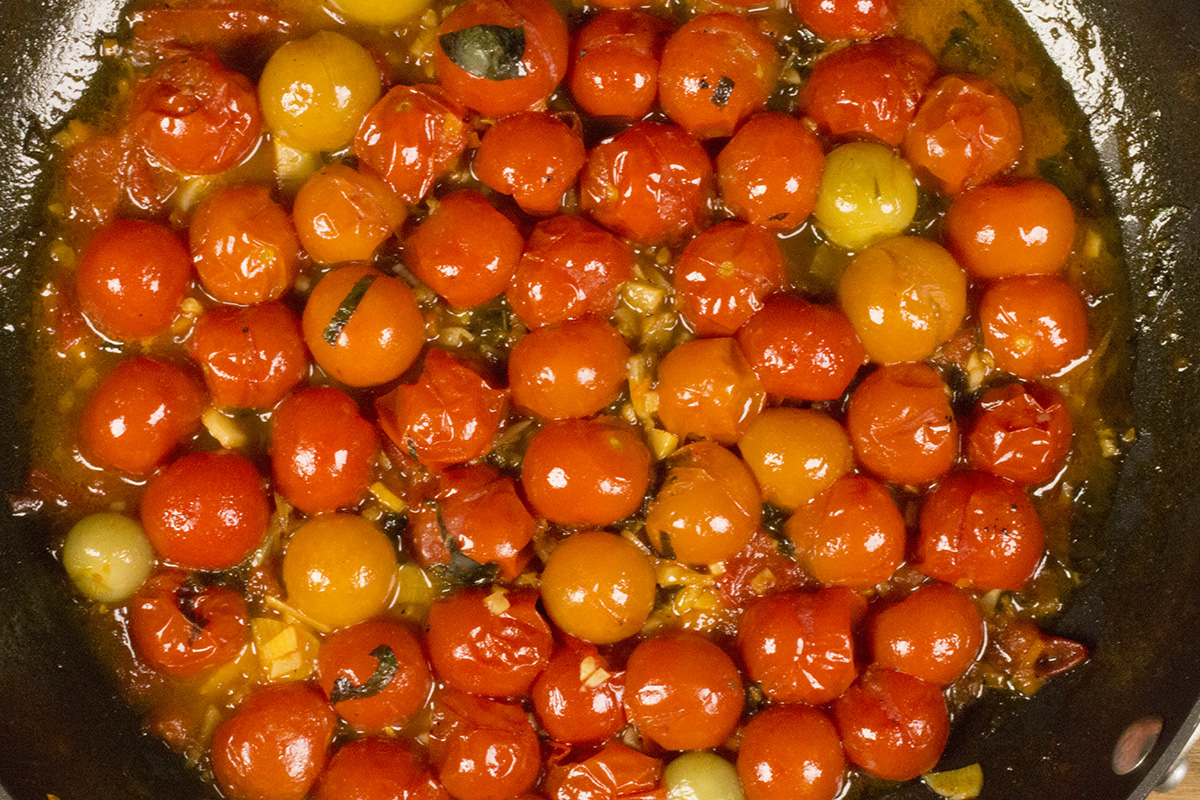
722,91
666,551
341,317
491,52
344,688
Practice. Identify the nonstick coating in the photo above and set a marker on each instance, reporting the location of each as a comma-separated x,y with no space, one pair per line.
1134,66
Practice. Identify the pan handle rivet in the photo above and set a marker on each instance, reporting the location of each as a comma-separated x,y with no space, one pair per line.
1135,744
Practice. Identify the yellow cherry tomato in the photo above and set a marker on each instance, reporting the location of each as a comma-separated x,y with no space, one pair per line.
867,193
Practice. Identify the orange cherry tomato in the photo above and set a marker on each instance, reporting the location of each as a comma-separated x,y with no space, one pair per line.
132,278
374,674
998,231
965,132
707,389
586,471
378,769
800,646
412,137
252,356
569,369
363,327
724,274
801,350
770,170
196,117
872,88
683,692
465,250
533,156
343,215
615,772
1020,432
570,268
577,699
482,749
450,415
138,415
847,19
934,634
531,71
901,424
795,454
892,725
183,628
206,511
651,183
276,744
979,531
851,534
244,246
708,507
791,753
322,450
1033,325
614,64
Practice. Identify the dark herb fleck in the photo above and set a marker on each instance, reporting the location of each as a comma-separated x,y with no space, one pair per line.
344,688
722,91
666,551
462,568
346,309
491,52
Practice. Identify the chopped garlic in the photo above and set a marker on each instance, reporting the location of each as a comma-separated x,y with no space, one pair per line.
387,497
497,601
591,674
662,443
958,784
224,429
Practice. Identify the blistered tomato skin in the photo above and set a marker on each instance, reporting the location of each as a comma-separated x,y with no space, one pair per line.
791,752
846,19
724,274
615,771
377,769
795,454
769,172
344,215
579,701
184,628
1033,325
934,634
569,369
251,357
532,156
614,64
707,389
482,749
1020,432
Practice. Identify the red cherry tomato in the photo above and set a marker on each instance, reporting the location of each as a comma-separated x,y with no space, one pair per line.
108,172
724,274
615,772
132,278
791,753
276,745
707,389
1020,432
1033,325
757,569
533,156
614,64
196,117
892,725
184,628
138,415
846,19
683,692
979,531
377,769
770,170
934,634
800,646
578,698
343,215
251,356
374,674
482,749
206,511
569,369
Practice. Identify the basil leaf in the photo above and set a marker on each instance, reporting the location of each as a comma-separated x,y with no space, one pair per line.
666,551
344,688
462,568
491,52
720,95
341,317
185,600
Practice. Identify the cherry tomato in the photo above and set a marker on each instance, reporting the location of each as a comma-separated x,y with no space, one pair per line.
342,215
800,646
980,531
965,132
614,64
465,250
598,587
251,357
851,534
568,369
717,70
801,350
206,511
872,88
586,471
450,415
577,699
651,183
683,692
934,634
351,663
707,389
483,749
275,746
1033,325
196,117
708,507
724,274
791,753
533,156
132,278
184,628
759,568
109,172
997,231
795,454
892,725
538,68
363,327
1020,432
615,772
377,769
770,170
846,19
901,424
570,268
138,415
411,138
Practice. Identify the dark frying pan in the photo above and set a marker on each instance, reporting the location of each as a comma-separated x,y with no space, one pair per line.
1134,66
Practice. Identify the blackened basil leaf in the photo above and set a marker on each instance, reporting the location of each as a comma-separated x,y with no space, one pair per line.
185,600
721,92
462,568
344,688
346,309
491,52
666,551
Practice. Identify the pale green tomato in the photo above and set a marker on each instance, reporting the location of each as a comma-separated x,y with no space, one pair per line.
867,194
700,775
382,13
107,557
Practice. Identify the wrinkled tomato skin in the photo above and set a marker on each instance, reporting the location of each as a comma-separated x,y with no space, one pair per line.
724,274
1021,432
482,749
614,64
616,771
770,170
251,357
344,215
791,753
707,389
183,629
108,173
934,634
742,582
377,769
533,156
1033,325
566,703
846,19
